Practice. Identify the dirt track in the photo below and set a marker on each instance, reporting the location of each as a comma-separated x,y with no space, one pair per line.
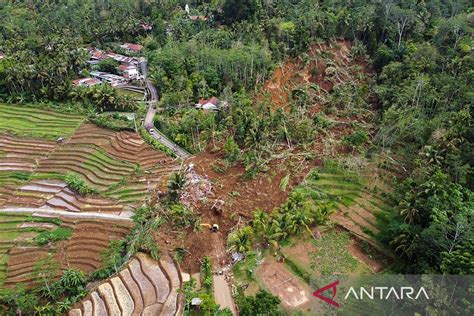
124,216
222,293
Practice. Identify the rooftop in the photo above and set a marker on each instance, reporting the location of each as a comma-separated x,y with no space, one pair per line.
132,47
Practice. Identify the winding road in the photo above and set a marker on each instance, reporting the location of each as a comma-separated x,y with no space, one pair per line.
148,122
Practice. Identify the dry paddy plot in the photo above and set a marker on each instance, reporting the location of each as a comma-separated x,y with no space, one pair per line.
144,287
18,158
82,250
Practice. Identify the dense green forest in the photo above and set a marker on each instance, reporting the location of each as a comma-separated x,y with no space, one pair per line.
420,53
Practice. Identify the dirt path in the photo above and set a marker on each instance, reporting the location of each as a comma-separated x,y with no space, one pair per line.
124,216
222,290
223,294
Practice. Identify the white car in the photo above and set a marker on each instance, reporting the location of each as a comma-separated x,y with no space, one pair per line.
152,131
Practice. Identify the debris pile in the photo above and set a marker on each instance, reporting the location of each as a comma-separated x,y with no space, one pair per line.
197,188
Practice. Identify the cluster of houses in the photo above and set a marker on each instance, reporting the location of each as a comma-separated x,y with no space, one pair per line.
128,68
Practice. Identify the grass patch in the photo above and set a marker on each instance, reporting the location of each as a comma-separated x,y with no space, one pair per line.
47,237
297,270
14,177
77,184
332,255
133,94
47,176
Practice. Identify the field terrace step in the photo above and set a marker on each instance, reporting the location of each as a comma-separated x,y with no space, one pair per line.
6,192
82,250
133,290
359,216
87,308
54,194
123,145
22,154
107,293
22,261
88,240
123,296
98,305
171,305
144,287
158,279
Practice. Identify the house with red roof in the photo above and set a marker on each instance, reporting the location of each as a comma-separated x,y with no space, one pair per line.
129,71
198,18
208,105
86,82
132,48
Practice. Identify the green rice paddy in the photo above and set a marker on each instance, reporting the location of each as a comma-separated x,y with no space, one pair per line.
32,122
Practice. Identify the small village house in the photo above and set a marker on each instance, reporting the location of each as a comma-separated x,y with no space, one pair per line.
86,82
132,48
97,56
130,72
111,79
208,105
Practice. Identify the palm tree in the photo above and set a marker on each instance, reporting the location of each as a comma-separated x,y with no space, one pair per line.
302,220
175,183
240,240
260,221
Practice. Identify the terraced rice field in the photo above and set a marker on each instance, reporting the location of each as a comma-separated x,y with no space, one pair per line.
126,146
82,250
96,167
33,122
152,167
89,239
120,165
123,169
356,205
22,154
144,287
18,160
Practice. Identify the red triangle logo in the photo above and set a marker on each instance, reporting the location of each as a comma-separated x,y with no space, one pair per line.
333,287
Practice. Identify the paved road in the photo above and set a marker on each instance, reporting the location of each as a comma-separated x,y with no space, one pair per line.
223,294
52,212
148,122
